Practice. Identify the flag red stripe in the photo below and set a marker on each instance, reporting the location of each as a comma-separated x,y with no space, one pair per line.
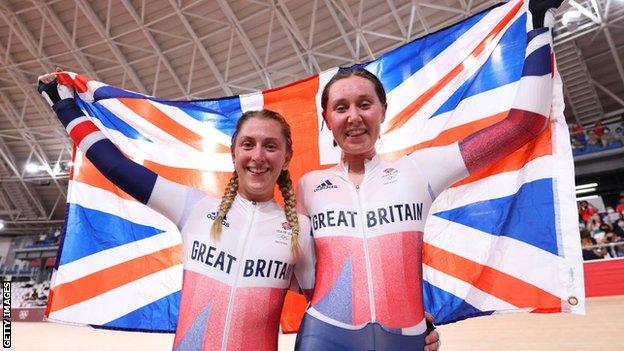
158,118
415,106
494,282
297,103
83,289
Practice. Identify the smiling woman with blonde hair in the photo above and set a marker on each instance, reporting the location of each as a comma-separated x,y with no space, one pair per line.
240,251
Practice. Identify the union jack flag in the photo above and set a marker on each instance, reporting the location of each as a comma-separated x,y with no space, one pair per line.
503,240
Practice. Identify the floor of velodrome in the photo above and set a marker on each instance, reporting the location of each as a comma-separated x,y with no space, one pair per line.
600,329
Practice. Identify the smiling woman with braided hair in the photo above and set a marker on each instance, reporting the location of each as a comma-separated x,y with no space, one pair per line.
240,251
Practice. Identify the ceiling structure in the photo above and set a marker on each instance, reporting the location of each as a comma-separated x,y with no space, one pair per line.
195,49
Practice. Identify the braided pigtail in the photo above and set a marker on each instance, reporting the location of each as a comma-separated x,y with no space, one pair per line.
290,209
226,203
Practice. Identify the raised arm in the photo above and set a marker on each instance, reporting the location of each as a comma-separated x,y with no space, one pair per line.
528,116
168,198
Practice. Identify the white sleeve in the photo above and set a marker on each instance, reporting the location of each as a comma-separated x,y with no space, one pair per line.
305,267
441,165
175,201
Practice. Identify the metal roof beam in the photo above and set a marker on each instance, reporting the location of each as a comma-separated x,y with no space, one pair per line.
291,35
8,159
17,121
13,118
289,25
202,50
99,27
608,92
247,45
155,46
8,210
346,12
20,30
343,32
441,7
612,47
423,20
61,32
396,16
584,11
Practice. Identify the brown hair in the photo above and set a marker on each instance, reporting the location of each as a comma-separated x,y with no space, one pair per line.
357,72
283,181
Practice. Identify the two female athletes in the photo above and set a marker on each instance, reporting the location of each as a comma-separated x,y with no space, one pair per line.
237,264
368,244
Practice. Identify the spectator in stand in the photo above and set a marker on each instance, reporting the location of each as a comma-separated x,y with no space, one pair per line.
593,226
590,253
593,140
598,129
611,237
609,139
612,216
598,228
576,132
577,145
56,236
586,210
620,206
619,133
618,227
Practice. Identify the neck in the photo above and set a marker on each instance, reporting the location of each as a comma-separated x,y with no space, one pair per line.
356,162
256,198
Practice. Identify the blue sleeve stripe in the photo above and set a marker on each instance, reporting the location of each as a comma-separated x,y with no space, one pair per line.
67,111
131,177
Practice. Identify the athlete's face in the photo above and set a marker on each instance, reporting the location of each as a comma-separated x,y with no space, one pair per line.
259,155
354,114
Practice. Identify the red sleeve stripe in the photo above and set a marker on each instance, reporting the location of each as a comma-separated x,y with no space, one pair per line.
81,130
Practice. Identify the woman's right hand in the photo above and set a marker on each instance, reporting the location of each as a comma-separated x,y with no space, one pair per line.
51,91
47,78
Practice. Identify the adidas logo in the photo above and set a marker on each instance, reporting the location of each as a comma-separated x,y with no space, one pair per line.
325,185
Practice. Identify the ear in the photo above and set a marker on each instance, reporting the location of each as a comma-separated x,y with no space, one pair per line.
324,114
383,115
287,162
232,153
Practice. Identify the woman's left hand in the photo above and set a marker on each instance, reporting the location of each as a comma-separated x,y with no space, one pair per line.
432,340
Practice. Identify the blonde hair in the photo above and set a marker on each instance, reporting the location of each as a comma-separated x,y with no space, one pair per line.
290,209
283,181
224,207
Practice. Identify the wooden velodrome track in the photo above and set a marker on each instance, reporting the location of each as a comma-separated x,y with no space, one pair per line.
600,329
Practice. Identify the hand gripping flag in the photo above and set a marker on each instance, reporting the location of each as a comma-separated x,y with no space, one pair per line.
502,240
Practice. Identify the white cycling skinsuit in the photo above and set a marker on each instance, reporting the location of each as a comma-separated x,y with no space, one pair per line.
369,237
